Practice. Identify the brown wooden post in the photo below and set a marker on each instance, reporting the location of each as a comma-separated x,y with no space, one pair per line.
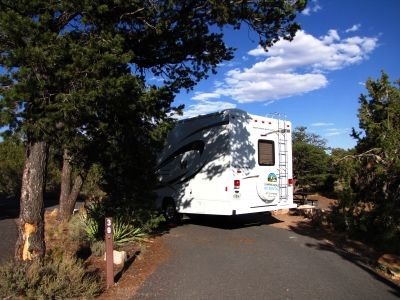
109,252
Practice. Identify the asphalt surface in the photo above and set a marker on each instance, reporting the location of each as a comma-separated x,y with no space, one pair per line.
9,210
244,258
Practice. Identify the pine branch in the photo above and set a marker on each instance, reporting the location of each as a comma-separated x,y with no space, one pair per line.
368,153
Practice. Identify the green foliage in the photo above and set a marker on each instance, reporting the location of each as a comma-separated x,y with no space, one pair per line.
371,171
92,229
128,225
98,248
51,279
74,71
94,181
12,158
349,214
301,135
124,232
345,170
76,228
53,176
378,144
311,163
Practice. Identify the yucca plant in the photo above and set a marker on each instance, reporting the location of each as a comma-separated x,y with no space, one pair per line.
125,232
84,228
92,229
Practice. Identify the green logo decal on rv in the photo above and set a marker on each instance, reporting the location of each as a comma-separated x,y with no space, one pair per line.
272,177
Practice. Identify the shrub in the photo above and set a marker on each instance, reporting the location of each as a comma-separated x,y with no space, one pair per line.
371,223
77,230
52,279
98,248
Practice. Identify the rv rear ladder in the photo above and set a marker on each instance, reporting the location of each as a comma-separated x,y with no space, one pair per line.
283,171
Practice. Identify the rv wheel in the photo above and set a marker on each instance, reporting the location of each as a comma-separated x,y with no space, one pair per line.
170,213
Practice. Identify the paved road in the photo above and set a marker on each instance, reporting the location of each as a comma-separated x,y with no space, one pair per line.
9,210
244,258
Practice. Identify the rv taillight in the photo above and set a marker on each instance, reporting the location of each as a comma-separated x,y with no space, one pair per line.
236,184
290,181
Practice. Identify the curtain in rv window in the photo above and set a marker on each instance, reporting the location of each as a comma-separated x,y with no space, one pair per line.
266,153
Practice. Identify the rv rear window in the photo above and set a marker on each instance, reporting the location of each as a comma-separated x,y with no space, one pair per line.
266,153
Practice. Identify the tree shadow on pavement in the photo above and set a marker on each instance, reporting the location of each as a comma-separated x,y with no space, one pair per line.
354,251
395,289
231,222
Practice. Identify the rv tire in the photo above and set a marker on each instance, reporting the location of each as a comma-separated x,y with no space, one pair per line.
170,213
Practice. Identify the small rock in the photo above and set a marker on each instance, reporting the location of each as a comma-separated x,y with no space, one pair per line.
280,212
391,263
119,257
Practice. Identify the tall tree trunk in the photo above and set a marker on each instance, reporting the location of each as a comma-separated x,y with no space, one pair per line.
76,189
64,202
30,244
69,196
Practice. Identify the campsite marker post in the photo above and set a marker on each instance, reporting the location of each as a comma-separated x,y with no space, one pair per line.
109,253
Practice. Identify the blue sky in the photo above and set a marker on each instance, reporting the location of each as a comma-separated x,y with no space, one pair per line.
316,79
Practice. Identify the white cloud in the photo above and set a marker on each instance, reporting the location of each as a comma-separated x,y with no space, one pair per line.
310,9
337,131
157,78
291,68
268,103
317,8
258,85
322,124
205,107
306,11
333,133
354,28
205,96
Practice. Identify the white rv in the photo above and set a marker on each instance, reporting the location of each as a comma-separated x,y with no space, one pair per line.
226,163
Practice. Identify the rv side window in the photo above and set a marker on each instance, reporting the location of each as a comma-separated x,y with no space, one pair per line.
266,153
